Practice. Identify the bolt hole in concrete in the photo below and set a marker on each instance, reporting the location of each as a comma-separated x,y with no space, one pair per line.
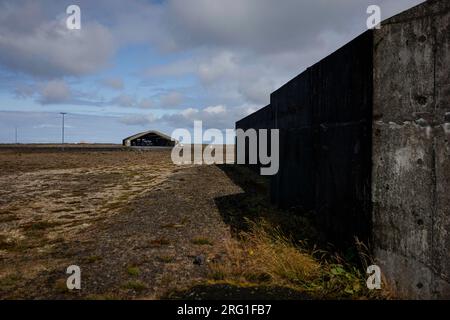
422,100
420,285
419,162
447,117
420,222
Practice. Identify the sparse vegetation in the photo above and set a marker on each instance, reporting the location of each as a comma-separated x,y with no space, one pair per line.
173,226
8,218
40,225
159,242
265,256
201,241
9,281
51,198
5,244
93,259
262,254
166,258
61,286
12,245
184,221
167,279
102,297
135,285
59,210
133,271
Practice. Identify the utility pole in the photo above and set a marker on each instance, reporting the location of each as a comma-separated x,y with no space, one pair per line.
15,135
62,133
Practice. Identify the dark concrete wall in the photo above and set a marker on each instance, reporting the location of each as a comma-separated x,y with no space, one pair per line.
364,143
324,118
329,172
411,165
261,119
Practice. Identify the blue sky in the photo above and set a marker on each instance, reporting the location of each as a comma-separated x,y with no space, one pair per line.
137,65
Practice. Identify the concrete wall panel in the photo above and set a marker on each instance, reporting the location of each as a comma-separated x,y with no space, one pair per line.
403,55
410,151
441,229
364,142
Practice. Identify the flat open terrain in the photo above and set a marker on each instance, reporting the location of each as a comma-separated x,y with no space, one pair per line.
134,222
140,227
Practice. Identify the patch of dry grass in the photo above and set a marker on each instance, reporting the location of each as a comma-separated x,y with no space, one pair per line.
172,226
202,241
102,297
12,245
40,225
92,259
159,242
135,285
8,218
61,286
133,271
266,257
166,258
9,281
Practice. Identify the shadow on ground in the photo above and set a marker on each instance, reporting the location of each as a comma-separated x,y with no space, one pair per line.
238,211
231,292
253,205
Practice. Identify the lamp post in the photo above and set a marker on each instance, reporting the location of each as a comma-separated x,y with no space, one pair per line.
62,133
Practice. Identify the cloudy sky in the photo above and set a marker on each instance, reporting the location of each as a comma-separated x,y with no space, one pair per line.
137,65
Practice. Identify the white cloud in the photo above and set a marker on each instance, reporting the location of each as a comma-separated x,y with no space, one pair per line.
129,101
256,91
138,120
54,92
173,69
237,51
171,100
24,91
32,44
220,66
145,104
189,112
51,126
124,100
115,83
219,117
215,109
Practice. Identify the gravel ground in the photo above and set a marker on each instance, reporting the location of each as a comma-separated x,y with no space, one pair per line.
160,240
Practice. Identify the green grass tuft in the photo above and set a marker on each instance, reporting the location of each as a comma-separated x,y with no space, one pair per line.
202,241
133,271
135,285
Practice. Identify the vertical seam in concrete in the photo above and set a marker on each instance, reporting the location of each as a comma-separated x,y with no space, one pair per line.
372,138
370,112
433,174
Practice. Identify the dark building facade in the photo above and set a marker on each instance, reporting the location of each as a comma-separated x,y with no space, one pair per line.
150,138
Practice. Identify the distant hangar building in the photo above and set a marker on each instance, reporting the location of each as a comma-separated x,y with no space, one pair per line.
150,138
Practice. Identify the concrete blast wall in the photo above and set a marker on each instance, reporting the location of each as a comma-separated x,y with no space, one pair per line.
364,144
261,119
411,163
324,118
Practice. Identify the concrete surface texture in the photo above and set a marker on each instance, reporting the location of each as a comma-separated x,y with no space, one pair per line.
364,144
411,163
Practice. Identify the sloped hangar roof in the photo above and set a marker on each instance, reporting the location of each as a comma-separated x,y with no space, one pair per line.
138,135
